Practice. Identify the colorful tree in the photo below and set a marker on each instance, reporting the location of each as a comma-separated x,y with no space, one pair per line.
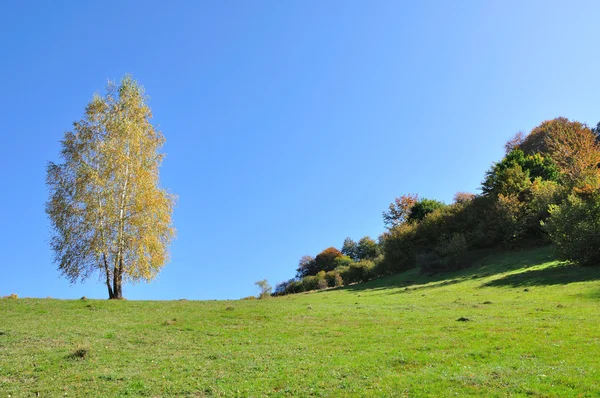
325,261
107,210
399,210
574,149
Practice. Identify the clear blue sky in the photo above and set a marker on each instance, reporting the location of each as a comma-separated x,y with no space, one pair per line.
290,125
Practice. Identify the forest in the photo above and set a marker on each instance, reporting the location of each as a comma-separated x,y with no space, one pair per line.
544,191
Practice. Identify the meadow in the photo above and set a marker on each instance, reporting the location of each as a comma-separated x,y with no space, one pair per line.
515,324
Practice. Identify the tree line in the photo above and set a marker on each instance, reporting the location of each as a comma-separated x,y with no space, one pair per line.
545,190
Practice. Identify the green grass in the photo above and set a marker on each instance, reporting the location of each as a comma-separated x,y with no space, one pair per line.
532,329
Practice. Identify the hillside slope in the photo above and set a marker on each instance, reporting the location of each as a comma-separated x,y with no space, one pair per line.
516,324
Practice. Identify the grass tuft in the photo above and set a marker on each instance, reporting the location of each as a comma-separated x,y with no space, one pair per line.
79,354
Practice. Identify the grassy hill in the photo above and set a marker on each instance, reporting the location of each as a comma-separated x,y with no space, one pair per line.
516,324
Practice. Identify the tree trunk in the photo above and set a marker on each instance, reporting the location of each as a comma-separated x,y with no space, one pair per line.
118,281
111,294
118,290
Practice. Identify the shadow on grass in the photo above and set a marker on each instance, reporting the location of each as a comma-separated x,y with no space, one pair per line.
561,274
489,264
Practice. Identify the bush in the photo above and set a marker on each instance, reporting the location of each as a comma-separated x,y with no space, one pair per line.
455,245
378,266
541,195
282,288
309,283
428,262
360,271
334,279
511,218
574,227
449,255
399,249
294,286
343,261
321,280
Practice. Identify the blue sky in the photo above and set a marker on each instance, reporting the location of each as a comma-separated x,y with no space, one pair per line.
290,125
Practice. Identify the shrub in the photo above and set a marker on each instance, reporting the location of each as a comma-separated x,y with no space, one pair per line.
321,280
399,248
574,227
449,254
511,219
360,271
282,287
455,245
337,280
428,262
343,261
294,286
378,266
334,279
309,283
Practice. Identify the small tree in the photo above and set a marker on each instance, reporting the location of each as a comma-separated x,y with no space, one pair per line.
574,227
265,289
423,207
367,249
306,266
325,261
349,249
399,210
574,149
107,210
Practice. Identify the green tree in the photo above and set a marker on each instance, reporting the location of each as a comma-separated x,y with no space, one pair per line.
349,248
516,171
399,250
107,211
423,207
366,249
574,227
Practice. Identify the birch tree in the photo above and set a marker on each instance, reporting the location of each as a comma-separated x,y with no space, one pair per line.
108,213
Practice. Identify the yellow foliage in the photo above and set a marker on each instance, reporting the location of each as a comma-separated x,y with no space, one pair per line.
108,212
